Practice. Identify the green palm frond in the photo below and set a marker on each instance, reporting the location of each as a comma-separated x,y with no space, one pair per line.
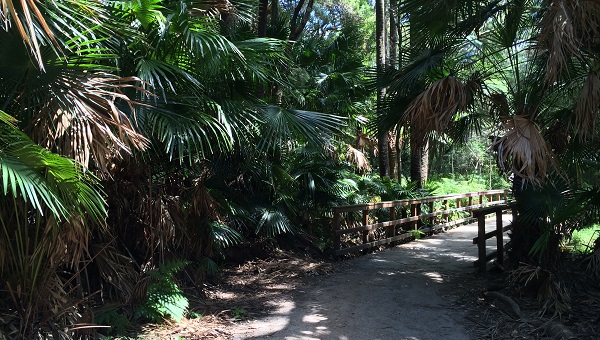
146,12
187,130
272,222
44,179
165,77
282,126
224,235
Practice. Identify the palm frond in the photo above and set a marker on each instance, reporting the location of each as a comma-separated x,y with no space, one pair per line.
46,180
524,150
186,131
586,110
568,26
282,126
224,235
358,159
434,109
27,16
273,222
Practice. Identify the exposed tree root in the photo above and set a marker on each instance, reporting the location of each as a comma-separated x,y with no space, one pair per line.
517,314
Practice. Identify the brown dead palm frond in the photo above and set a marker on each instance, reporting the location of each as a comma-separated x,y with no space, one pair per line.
586,110
163,217
202,204
358,159
364,141
568,27
545,286
499,106
82,117
66,243
523,150
433,110
212,8
26,16
116,269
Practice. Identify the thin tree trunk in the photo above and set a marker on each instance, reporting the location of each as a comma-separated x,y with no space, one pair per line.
393,154
399,146
394,63
419,153
263,9
419,162
299,19
274,12
384,161
394,35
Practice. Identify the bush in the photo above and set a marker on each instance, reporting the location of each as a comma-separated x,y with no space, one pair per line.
164,298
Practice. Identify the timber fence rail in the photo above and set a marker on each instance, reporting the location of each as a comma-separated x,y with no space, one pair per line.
498,232
377,224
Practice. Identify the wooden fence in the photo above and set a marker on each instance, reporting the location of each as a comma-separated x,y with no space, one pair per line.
498,233
378,223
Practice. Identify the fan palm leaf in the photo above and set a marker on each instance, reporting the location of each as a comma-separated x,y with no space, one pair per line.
46,180
282,126
25,16
569,29
524,150
434,109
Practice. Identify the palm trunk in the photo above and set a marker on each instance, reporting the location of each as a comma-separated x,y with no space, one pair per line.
419,162
383,145
394,63
399,145
262,17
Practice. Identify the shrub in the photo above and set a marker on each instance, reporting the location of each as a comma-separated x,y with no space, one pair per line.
164,298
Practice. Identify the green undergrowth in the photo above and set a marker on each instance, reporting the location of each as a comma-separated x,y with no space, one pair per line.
582,241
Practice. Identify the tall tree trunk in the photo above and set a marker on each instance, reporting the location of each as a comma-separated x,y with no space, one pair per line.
384,161
263,9
419,162
394,63
419,151
274,12
300,19
393,154
399,146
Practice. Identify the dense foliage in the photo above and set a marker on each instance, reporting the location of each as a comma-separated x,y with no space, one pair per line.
139,139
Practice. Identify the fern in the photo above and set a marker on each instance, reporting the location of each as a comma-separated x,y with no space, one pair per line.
164,298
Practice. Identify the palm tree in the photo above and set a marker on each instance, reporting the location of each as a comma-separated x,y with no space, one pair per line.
509,62
50,206
381,38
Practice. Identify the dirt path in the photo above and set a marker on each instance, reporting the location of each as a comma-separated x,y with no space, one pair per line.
407,292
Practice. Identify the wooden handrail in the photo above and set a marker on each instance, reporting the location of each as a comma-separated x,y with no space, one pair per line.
498,232
493,197
405,202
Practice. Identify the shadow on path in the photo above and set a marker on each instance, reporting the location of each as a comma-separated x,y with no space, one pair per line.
405,292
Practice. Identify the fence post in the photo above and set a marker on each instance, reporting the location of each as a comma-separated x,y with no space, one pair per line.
391,230
481,241
365,220
445,217
431,211
337,244
414,211
499,238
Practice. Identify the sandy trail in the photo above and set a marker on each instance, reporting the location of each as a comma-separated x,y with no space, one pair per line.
406,292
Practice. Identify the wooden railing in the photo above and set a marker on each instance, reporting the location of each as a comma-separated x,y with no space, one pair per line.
498,232
385,227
